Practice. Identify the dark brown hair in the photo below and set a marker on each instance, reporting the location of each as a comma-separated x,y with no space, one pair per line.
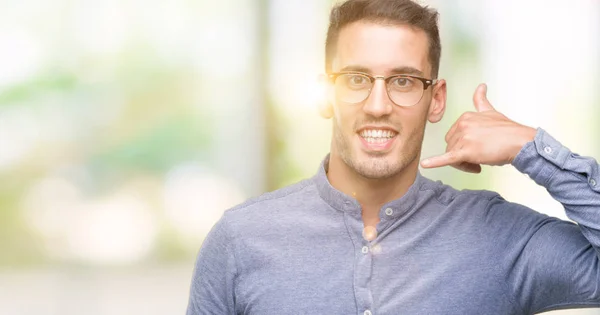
394,12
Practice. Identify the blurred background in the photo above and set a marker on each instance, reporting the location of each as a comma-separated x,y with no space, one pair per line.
127,127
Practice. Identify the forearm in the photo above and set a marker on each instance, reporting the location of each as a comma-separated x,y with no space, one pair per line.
571,179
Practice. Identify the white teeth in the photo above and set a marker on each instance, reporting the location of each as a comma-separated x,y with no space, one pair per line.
376,140
376,135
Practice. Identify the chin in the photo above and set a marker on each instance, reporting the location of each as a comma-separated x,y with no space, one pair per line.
377,166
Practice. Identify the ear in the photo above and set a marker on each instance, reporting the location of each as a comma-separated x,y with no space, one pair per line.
326,109
437,107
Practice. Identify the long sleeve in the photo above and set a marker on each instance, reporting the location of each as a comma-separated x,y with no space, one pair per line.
212,288
572,180
558,265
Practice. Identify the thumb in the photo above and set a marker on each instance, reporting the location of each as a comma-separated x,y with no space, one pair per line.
480,99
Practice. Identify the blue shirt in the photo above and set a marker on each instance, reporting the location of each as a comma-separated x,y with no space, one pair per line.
300,249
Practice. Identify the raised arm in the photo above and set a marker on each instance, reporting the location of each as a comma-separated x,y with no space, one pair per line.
550,263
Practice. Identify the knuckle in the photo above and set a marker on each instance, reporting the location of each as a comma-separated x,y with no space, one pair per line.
463,124
447,138
451,155
467,115
467,137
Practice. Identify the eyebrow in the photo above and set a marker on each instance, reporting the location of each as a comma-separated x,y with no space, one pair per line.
398,70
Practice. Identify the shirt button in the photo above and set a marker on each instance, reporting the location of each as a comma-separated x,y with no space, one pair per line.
548,150
367,312
592,182
365,249
389,211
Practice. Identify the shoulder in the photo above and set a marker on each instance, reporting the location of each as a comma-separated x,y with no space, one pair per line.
486,206
270,205
483,203
285,194
448,195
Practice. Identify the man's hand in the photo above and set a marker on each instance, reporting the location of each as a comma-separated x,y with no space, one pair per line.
482,137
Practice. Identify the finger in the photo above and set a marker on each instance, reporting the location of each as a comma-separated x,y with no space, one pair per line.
448,158
451,131
468,167
456,125
480,99
452,141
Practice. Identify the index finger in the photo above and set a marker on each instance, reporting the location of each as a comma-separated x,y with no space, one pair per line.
446,159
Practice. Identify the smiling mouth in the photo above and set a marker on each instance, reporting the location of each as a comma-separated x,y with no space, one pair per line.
377,135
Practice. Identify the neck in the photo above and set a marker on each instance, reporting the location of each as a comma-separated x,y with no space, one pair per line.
372,194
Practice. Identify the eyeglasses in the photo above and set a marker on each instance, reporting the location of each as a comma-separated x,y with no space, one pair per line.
403,90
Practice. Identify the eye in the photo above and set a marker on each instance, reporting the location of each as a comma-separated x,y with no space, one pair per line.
403,82
357,80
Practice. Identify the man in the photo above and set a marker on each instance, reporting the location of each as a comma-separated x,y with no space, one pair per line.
369,235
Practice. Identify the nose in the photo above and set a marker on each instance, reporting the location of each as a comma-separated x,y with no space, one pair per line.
378,103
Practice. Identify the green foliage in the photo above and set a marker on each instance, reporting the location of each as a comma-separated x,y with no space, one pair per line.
154,150
37,86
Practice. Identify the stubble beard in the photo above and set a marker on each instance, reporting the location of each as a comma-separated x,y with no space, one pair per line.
377,166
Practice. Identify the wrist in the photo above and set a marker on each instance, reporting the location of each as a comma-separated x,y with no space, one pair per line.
525,135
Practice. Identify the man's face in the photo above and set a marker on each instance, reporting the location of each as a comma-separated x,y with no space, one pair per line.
377,138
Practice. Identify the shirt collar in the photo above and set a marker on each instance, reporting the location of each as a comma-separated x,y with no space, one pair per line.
340,201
